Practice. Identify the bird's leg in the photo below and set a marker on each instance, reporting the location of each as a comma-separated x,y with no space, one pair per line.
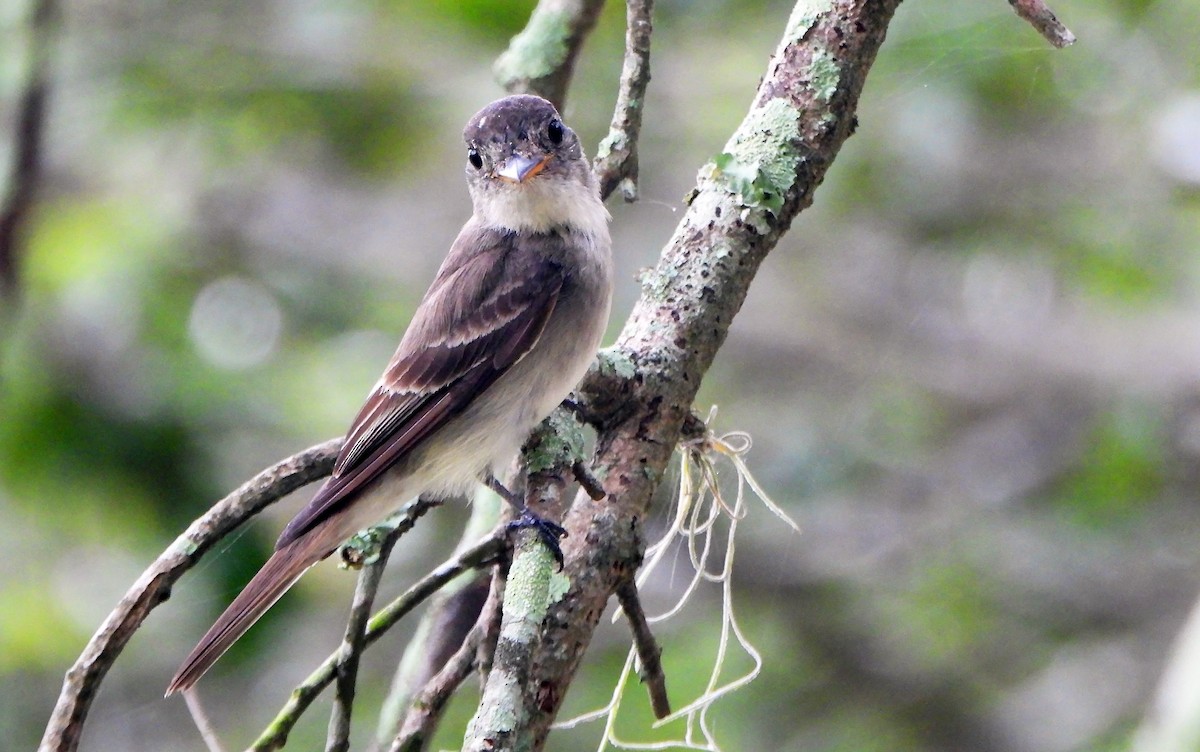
548,531
493,483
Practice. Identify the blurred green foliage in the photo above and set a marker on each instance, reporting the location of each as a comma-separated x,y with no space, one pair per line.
373,125
1123,469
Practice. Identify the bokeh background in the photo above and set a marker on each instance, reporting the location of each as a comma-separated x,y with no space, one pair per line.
971,370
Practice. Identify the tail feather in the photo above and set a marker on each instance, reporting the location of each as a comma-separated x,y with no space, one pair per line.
279,573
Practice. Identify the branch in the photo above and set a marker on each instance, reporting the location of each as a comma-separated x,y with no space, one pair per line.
203,724
154,585
616,161
502,721
275,735
587,480
491,625
427,707
346,669
648,652
1044,20
442,629
541,59
745,200
27,148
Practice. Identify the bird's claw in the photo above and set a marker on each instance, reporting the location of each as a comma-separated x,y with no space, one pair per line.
548,531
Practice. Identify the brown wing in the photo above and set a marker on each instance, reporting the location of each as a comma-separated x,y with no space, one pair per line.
483,314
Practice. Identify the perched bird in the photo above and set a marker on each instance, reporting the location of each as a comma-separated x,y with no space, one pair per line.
506,330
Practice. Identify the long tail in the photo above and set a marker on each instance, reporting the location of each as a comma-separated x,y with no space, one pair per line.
279,573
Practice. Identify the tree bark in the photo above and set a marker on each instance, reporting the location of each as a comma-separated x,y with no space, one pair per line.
643,387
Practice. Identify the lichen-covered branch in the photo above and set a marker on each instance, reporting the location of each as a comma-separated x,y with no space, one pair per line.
616,163
1043,19
503,719
346,668
541,59
154,585
744,201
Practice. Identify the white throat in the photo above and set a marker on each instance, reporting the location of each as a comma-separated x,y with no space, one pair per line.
541,205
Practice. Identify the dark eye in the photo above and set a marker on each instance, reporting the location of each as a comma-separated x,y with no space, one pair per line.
474,158
555,131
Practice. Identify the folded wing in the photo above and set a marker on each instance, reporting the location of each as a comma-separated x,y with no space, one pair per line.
482,315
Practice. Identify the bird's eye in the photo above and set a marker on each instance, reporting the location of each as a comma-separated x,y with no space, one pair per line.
555,131
474,158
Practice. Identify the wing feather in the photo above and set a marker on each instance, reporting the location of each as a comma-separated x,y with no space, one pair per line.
481,316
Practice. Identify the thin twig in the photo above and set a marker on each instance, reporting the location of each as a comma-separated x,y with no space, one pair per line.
154,585
491,624
541,59
422,720
202,721
30,134
616,161
443,626
648,652
346,669
275,735
588,480
428,705
1044,20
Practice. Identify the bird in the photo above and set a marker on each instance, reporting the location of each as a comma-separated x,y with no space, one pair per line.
508,327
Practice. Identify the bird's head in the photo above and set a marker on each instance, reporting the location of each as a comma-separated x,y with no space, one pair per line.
526,170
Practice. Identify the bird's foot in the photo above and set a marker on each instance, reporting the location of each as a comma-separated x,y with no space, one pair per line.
550,533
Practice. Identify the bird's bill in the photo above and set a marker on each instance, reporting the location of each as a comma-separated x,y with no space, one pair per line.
518,168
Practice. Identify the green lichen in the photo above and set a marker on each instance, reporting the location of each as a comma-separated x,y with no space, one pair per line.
557,443
184,545
559,585
759,162
613,361
824,75
616,140
656,282
804,15
748,181
537,51
363,547
527,592
823,72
